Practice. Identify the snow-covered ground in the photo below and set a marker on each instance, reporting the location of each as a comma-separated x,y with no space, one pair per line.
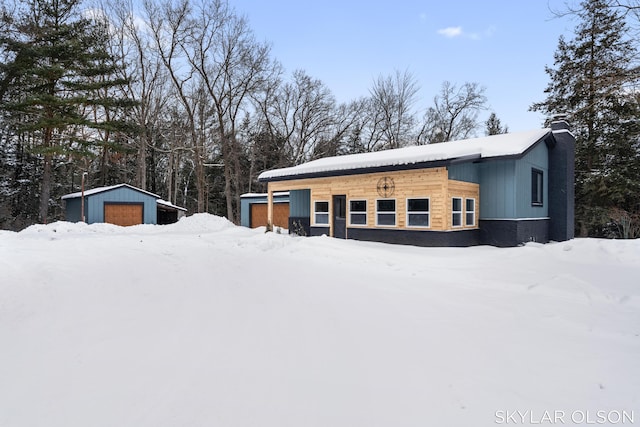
202,323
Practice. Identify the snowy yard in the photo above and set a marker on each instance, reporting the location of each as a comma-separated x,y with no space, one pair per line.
202,323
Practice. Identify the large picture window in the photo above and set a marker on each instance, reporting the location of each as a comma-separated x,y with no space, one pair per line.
456,212
386,212
470,212
537,181
358,212
418,212
321,212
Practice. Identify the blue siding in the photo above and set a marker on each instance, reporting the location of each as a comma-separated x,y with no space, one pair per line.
300,203
467,172
95,204
497,189
505,186
245,210
537,158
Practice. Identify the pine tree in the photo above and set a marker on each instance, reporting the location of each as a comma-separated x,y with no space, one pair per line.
494,127
56,83
591,81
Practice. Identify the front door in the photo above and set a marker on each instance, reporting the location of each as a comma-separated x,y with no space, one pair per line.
340,217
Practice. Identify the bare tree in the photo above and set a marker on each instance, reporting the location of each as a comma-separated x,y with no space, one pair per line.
232,65
392,119
454,114
170,24
302,113
146,75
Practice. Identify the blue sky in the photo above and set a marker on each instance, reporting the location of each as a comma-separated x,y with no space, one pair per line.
503,45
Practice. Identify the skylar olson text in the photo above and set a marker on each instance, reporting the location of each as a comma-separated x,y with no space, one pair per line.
565,417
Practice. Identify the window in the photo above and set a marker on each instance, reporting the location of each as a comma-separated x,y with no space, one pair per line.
418,212
537,181
358,212
470,212
321,210
386,212
456,212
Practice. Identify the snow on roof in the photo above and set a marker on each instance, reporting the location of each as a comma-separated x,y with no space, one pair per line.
509,144
170,205
103,189
276,194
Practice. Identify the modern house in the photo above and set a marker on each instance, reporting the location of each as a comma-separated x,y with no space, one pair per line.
120,204
501,190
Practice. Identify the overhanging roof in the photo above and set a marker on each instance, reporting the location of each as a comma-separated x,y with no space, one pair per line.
104,189
432,155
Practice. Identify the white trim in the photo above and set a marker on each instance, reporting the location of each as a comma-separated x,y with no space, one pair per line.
407,212
366,212
256,195
322,224
109,188
395,213
467,212
461,211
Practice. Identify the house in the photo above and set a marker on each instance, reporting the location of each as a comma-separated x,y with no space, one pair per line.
501,190
120,204
253,210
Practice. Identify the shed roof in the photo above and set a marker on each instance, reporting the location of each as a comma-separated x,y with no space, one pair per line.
504,145
169,205
109,188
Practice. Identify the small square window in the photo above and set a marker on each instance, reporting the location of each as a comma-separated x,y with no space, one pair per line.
358,212
321,210
418,212
386,212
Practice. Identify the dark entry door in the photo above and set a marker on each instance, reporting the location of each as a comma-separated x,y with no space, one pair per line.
340,217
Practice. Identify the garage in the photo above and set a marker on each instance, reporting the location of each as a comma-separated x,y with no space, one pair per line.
121,204
124,214
280,215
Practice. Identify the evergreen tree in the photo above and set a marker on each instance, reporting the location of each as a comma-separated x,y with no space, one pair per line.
494,127
56,83
591,80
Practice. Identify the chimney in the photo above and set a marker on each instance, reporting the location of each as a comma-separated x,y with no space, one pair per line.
560,122
561,180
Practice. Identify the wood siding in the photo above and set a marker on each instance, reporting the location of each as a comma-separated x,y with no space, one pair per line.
280,215
123,214
420,183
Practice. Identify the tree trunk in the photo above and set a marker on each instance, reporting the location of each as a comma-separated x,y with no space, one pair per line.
45,194
141,170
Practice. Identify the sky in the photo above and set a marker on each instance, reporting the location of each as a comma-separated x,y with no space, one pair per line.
504,45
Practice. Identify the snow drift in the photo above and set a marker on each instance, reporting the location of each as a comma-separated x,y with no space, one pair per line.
202,323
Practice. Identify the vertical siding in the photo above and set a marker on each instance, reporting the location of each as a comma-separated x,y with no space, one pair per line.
497,189
537,158
300,203
72,210
467,172
245,210
95,204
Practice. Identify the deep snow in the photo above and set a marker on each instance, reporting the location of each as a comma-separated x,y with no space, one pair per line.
203,323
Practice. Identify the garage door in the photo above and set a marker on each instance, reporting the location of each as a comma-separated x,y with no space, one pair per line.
123,214
280,215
